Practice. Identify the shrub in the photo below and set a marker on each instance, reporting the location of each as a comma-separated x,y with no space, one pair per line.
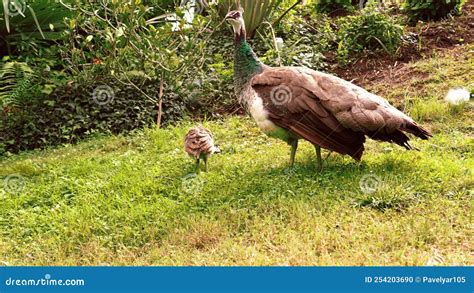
331,6
73,112
370,29
306,36
432,9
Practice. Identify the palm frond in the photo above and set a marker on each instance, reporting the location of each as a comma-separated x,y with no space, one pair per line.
35,19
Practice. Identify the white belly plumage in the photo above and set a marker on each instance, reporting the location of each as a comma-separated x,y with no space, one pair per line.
260,115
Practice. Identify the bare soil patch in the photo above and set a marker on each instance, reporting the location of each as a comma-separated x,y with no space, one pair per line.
427,38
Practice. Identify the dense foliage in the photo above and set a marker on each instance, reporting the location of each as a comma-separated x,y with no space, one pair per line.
334,6
432,9
306,38
371,29
120,44
69,114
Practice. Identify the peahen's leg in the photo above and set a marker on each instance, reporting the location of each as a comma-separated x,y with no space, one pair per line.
318,156
294,147
205,163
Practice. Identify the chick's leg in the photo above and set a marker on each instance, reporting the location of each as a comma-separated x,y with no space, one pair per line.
197,165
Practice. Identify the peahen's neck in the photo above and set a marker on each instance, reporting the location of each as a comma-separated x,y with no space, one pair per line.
246,64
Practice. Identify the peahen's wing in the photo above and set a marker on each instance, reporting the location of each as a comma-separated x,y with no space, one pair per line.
329,111
291,105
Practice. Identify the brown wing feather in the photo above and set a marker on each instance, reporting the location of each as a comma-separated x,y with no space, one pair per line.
332,112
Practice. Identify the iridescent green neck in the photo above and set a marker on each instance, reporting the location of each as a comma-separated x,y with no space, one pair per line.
246,64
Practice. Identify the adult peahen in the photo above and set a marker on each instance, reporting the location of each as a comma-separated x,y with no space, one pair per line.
291,103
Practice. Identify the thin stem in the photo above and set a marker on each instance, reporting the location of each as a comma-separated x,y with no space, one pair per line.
285,13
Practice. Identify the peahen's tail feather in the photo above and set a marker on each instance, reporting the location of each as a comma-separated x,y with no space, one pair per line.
417,130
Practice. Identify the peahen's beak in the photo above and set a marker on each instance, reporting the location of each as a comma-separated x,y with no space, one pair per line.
233,14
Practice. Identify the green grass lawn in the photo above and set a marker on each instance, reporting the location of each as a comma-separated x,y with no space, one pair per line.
133,200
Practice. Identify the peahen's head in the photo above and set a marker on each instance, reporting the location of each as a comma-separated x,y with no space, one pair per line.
236,19
246,63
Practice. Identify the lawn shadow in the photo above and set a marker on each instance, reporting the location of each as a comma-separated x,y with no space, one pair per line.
341,180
